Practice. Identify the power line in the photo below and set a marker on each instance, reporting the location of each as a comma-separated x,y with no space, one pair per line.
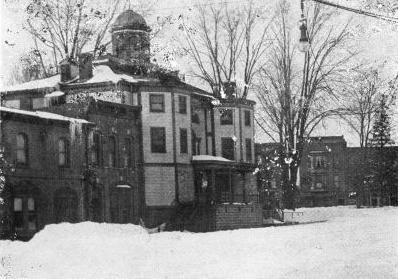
358,11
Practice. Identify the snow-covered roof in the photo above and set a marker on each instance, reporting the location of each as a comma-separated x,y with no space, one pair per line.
50,82
209,158
103,73
204,95
123,186
44,115
54,94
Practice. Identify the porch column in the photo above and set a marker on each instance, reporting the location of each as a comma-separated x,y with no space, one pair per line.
244,187
231,191
213,195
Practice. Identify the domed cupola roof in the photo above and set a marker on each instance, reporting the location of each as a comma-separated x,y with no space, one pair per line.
130,20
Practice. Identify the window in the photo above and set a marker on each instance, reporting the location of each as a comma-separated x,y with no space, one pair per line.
63,153
22,149
319,162
112,152
226,117
158,140
183,141
96,154
182,104
31,214
38,103
18,213
156,102
12,104
25,207
228,148
318,183
127,156
249,154
336,181
247,118
309,162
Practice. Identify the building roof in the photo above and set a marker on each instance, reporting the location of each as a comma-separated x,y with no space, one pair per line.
329,139
43,115
207,158
103,73
45,83
130,20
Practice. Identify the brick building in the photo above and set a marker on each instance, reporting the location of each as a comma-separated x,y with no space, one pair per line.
56,173
193,154
333,174
369,168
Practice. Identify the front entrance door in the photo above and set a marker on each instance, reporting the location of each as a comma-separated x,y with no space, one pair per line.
121,204
65,205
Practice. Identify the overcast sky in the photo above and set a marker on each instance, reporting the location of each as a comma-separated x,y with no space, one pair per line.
377,39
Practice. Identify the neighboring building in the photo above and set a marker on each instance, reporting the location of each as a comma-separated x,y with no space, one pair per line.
323,179
333,174
56,172
193,159
367,167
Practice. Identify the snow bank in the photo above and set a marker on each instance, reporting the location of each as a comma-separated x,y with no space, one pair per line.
353,244
86,231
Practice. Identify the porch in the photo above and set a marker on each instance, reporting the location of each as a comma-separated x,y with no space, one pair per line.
226,195
220,181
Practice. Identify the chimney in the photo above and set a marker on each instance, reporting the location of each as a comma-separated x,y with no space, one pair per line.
229,89
85,66
69,70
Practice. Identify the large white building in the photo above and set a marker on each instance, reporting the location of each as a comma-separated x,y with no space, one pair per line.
197,153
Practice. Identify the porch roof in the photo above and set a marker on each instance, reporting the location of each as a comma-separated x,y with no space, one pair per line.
215,162
209,158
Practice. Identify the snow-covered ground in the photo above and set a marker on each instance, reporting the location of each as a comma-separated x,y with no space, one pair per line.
352,243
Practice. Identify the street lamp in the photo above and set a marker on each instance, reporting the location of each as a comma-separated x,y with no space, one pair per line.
304,42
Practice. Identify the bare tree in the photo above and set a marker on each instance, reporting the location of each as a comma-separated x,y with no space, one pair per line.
360,100
68,27
226,44
293,102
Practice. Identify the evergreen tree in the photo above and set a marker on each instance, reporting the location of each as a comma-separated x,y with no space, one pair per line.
383,168
381,132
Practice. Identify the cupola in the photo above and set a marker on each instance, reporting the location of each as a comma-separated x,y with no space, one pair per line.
130,37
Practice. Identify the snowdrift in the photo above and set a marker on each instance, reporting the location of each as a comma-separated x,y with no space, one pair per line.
353,243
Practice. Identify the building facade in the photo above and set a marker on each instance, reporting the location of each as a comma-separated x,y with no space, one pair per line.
333,174
192,155
323,175
55,172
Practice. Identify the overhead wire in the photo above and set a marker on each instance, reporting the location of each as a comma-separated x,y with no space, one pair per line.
324,2
357,11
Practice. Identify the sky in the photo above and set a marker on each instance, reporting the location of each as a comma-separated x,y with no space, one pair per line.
377,39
